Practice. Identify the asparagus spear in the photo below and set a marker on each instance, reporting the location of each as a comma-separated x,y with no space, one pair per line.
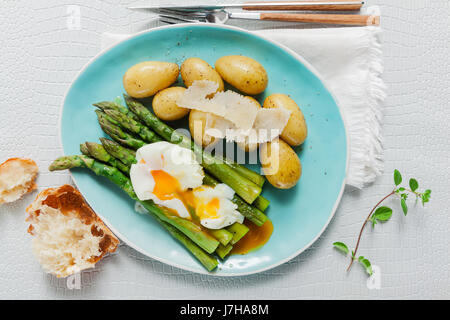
111,105
222,251
246,172
223,235
84,150
245,188
126,156
251,213
190,229
238,230
261,203
133,126
208,261
111,128
97,151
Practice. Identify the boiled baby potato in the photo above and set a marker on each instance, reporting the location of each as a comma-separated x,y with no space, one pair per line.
197,125
247,145
280,164
243,73
147,78
295,131
193,69
165,104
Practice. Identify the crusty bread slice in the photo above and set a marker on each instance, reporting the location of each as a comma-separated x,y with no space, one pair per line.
68,235
17,178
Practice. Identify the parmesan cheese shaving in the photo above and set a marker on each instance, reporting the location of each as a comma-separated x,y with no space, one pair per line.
232,116
270,122
217,126
268,125
229,104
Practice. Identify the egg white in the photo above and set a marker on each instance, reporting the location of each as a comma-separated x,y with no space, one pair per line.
227,213
176,161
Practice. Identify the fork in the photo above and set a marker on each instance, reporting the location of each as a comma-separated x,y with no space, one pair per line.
222,16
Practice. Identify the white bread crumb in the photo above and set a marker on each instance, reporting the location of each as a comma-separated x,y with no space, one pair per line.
17,178
67,235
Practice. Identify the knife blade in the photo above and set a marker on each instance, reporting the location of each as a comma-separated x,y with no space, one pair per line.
336,5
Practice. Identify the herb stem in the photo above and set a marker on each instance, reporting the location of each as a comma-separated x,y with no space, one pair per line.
418,194
352,258
382,214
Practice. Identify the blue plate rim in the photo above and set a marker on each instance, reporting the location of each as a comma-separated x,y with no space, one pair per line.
298,57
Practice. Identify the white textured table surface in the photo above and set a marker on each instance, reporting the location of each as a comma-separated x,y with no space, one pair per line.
40,56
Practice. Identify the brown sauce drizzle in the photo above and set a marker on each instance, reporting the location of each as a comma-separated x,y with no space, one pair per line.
255,238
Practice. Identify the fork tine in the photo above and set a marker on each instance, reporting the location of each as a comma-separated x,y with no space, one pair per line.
178,19
173,18
183,12
167,21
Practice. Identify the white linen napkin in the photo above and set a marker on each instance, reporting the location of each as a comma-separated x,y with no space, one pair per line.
350,62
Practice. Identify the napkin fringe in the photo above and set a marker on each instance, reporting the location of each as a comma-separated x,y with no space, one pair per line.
367,150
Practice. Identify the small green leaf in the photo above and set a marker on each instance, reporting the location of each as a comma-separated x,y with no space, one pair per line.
373,220
397,177
425,198
341,247
404,206
382,214
413,184
366,264
353,255
401,189
360,258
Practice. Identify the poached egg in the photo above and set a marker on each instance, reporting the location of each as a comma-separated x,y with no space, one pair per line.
170,176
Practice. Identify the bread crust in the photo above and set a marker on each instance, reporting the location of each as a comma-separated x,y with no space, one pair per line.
68,201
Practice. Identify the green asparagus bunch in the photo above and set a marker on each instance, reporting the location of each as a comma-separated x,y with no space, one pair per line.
238,177
118,154
251,213
244,187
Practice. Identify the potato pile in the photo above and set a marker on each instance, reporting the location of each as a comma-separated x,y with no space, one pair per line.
280,163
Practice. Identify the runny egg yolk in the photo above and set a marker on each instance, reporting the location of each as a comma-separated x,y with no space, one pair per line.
167,187
208,210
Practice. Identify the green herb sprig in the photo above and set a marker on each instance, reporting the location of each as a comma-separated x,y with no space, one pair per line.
383,214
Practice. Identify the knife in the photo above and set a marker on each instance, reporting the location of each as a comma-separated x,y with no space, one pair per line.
335,5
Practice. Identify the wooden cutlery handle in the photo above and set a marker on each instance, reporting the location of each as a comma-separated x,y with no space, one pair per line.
319,7
348,19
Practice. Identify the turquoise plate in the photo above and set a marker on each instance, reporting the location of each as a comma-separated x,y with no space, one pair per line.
299,214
